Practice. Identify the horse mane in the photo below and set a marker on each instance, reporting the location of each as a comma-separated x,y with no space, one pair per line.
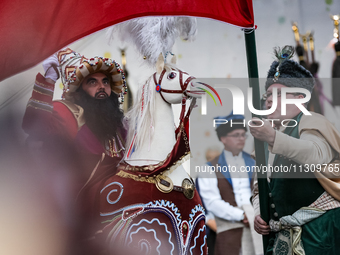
140,117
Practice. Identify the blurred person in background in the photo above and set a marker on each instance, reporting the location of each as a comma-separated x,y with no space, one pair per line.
227,193
210,221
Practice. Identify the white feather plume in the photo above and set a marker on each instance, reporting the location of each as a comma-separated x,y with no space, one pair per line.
153,35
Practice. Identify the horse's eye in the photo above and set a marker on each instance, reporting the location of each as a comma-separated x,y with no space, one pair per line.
171,75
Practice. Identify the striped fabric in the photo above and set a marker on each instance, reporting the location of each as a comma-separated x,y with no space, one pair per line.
42,95
325,202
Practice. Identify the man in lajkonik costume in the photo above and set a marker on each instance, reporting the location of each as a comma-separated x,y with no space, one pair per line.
227,195
304,206
79,131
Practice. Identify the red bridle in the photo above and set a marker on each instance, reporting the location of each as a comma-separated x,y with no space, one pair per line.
183,90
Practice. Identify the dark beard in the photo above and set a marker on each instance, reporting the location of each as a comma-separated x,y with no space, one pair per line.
102,116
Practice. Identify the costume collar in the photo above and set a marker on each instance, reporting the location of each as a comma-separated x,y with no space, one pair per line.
229,155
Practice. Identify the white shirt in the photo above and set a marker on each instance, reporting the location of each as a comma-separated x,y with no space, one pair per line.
211,194
240,180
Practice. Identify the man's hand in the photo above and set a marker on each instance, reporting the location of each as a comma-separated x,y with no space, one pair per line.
212,225
245,220
50,66
261,226
265,132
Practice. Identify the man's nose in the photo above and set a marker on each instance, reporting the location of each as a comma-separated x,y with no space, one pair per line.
269,102
101,85
269,99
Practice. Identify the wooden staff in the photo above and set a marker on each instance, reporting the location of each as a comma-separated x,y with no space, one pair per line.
296,33
299,49
311,45
122,52
305,45
336,19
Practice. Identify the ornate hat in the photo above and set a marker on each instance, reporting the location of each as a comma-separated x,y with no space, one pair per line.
288,72
222,129
75,67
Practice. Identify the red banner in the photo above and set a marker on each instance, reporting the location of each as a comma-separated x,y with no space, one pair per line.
32,30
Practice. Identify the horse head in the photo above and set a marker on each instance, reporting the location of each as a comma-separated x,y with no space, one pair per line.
168,85
174,84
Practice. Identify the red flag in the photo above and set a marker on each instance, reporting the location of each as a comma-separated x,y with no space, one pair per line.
30,31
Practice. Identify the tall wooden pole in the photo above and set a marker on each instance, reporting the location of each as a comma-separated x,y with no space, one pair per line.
259,145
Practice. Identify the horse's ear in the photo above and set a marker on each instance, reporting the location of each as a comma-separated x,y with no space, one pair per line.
160,63
173,59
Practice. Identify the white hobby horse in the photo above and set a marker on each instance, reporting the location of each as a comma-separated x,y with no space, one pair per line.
151,206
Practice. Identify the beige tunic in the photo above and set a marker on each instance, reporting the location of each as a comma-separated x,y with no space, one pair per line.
319,143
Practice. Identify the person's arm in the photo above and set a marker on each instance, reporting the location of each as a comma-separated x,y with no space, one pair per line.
43,117
39,109
311,148
214,203
210,221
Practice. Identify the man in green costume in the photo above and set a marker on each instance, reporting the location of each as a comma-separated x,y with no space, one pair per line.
303,156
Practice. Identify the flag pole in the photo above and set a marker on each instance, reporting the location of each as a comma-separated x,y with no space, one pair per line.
259,145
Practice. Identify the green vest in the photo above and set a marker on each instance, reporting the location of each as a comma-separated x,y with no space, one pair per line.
287,193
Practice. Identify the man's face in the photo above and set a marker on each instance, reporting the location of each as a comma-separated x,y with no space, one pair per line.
97,85
234,141
291,109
